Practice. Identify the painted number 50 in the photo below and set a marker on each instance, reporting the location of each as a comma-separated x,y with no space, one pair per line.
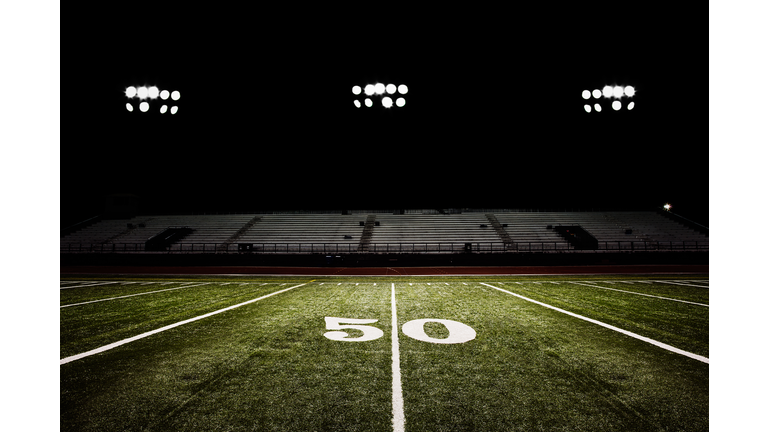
457,332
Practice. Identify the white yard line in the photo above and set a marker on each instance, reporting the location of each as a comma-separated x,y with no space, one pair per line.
168,327
89,285
640,294
678,283
132,295
608,326
398,411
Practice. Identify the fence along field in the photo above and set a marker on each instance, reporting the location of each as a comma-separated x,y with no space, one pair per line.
322,354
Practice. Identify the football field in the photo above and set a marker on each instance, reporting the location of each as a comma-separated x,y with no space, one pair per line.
450,353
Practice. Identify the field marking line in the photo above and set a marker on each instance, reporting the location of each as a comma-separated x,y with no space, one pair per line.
89,285
131,295
677,283
640,294
398,411
608,326
168,327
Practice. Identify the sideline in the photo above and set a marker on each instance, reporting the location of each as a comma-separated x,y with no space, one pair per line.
640,294
168,327
133,295
610,327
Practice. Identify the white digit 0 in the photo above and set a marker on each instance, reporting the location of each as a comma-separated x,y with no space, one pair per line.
457,332
369,332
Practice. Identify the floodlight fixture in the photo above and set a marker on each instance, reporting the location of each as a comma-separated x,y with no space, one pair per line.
368,102
130,91
129,107
391,88
165,94
387,102
369,90
402,88
630,106
144,106
629,91
356,90
142,92
153,92
598,108
607,91
174,109
597,94
175,95
618,91
587,108
616,105
586,94
163,109
400,102
357,103
378,88
667,206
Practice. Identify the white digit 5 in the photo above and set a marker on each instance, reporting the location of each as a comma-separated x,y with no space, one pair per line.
457,332
369,332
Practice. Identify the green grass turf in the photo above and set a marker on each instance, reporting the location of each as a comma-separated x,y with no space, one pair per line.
267,366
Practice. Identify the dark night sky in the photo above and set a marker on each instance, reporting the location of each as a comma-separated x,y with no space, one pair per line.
493,117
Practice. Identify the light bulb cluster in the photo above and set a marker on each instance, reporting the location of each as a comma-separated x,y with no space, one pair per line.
382,90
617,93
145,95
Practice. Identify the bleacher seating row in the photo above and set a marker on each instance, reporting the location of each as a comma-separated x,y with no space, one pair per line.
393,232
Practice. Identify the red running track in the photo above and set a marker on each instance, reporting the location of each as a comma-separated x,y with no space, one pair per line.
390,271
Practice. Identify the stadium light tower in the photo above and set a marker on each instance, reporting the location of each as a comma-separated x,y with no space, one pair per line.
386,93
616,92
147,95
667,206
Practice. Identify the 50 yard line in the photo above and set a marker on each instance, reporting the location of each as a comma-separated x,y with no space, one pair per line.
398,412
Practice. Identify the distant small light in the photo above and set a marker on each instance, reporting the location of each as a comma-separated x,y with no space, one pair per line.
391,88
165,94
142,92
175,95
607,91
174,109
356,90
130,92
153,92
368,102
587,108
378,88
402,88
357,103
618,91
597,94
129,107
616,105
144,107
667,206
629,91
163,109
586,94
630,106
400,102
369,90
598,108
387,102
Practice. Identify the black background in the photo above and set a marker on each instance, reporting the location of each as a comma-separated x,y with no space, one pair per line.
494,117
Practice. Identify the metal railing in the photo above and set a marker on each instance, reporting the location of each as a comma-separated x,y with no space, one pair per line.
382,248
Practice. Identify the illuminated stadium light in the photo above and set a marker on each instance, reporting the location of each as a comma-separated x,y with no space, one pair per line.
165,94
174,109
616,105
598,108
357,103
586,94
129,107
630,106
618,91
587,108
130,91
369,90
667,206
144,106
386,102
383,91
607,91
400,102
391,88
142,92
402,88
615,92
356,90
163,109
175,95
378,88
147,95
629,91
368,102
597,94
153,92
